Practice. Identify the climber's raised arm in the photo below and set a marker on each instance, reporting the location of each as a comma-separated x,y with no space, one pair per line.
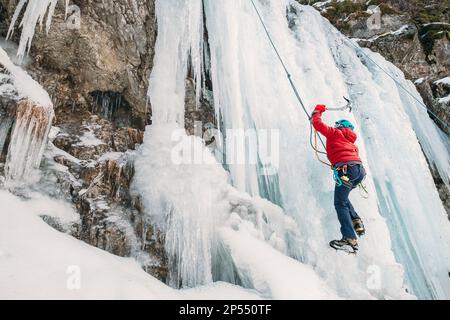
317,122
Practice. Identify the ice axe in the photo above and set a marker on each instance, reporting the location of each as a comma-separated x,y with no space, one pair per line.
347,106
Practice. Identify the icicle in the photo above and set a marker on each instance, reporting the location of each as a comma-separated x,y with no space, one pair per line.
251,91
28,139
33,117
34,14
5,126
181,203
180,40
187,228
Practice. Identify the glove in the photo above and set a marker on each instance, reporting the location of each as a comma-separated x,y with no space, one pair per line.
320,108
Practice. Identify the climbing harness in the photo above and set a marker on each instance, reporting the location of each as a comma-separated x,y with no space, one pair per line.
345,180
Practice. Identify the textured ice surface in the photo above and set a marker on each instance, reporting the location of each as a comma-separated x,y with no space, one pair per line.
31,126
251,91
212,219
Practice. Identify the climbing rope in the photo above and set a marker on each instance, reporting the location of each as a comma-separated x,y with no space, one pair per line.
359,50
317,152
314,145
294,88
297,94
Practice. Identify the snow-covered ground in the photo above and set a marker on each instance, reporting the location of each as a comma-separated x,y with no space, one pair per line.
444,99
445,80
38,262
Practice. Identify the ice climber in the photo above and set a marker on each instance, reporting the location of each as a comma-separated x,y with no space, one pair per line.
348,173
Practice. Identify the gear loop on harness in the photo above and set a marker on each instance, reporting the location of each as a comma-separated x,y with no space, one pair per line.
364,193
336,177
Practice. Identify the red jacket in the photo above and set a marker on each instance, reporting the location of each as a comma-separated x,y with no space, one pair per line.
340,142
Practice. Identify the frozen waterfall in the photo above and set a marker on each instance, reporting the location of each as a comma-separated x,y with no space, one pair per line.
251,92
29,122
187,192
266,224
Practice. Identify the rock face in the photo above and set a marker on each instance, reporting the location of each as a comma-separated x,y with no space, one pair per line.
97,76
111,52
90,163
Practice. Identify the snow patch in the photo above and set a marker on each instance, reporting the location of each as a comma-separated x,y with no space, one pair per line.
445,81
39,262
25,85
272,273
60,210
88,139
419,81
444,100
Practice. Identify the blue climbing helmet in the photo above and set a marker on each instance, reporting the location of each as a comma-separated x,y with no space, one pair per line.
344,124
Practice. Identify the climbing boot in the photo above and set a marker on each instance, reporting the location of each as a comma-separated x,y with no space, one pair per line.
347,245
358,225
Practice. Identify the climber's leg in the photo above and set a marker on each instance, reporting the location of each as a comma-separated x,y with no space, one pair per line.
341,194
